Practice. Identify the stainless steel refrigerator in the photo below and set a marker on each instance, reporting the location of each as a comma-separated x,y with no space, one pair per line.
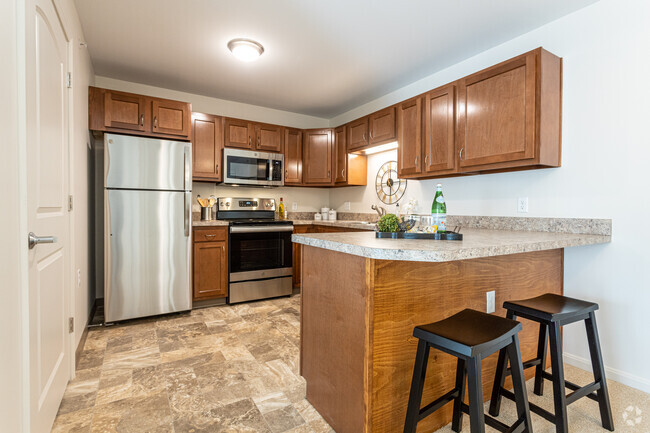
147,224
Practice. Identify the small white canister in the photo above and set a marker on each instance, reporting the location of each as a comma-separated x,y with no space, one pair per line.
324,215
317,217
332,215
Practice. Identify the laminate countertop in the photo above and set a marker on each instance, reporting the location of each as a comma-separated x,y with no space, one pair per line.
338,223
476,243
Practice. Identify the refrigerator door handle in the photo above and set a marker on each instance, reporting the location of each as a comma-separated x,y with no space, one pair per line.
187,211
187,170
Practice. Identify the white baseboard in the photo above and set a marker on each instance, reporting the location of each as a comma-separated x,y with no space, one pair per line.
623,377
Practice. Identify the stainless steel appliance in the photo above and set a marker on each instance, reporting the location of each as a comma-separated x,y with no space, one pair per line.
247,167
147,224
260,250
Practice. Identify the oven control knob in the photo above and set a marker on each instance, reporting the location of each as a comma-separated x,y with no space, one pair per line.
227,204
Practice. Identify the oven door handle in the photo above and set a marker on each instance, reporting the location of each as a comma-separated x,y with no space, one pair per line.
261,229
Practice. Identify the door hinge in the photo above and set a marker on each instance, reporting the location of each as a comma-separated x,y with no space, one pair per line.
68,82
70,325
70,203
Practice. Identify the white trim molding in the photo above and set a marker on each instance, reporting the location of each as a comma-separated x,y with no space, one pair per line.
623,377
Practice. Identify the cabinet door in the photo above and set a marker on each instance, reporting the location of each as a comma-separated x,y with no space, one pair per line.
239,133
207,145
171,117
381,125
317,167
439,150
497,114
292,156
269,138
358,134
340,155
125,111
210,270
409,137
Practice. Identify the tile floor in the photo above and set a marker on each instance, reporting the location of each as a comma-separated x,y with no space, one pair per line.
235,369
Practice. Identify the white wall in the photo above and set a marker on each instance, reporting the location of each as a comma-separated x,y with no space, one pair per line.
222,107
604,173
11,263
82,76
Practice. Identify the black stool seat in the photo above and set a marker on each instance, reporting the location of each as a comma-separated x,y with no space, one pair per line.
469,332
552,308
470,336
552,312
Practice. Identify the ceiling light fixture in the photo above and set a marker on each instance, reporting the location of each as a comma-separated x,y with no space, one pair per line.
245,50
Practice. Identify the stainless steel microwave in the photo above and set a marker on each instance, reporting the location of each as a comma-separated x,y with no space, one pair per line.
247,167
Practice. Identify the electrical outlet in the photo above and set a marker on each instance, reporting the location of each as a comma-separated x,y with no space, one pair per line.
78,277
346,205
522,204
490,302
294,206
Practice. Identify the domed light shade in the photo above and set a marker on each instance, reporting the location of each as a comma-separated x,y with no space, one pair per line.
245,50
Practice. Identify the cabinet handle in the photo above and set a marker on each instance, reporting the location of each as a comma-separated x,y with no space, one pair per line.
258,141
371,134
426,157
155,122
142,120
217,166
364,137
417,158
328,173
249,141
210,236
343,173
460,154
223,249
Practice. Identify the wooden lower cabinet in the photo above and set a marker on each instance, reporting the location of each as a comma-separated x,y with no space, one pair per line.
297,248
210,263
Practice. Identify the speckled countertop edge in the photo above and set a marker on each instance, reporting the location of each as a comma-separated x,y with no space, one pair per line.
477,243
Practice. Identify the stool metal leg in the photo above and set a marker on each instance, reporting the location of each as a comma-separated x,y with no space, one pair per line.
499,378
461,374
559,396
417,385
475,393
519,383
599,372
541,355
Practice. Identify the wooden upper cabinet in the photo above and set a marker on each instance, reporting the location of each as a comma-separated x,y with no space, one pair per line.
207,146
125,111
292,156
317,162
409,137
439,154
358,134
382,127
210,268
239,133
502,108
340,155
128,113
170,117
268,137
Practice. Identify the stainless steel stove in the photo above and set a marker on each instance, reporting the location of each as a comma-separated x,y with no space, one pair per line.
260,250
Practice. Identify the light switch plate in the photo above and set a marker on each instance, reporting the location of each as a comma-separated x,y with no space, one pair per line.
346,205
294,206
490,302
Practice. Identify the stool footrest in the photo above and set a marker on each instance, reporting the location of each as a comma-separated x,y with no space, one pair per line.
517,427
573,387
548,416
527,365
438,403
587,391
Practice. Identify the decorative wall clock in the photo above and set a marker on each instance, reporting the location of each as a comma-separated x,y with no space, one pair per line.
390,188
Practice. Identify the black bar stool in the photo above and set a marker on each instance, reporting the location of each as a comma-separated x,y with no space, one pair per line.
470,336
552,312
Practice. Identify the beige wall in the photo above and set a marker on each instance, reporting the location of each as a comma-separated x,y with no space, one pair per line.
12,259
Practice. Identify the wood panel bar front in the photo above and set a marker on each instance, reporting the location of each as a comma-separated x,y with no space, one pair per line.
358,315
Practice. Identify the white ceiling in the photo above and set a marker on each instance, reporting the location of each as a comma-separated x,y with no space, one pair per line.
322,58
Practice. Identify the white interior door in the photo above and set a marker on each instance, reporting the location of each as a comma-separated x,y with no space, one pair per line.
47,196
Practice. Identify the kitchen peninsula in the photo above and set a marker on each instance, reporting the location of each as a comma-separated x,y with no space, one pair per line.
362,297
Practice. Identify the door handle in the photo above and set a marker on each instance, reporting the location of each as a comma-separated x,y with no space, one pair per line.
35,240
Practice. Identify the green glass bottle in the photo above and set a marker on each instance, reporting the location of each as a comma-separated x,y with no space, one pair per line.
439,210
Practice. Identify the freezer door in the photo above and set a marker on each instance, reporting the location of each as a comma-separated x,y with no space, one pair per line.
147,253
146,163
